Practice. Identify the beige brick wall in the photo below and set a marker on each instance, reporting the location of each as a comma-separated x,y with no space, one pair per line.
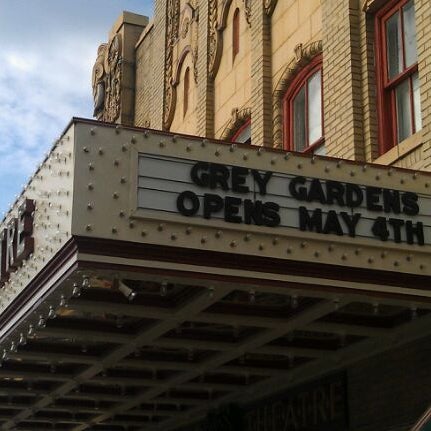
261,79
368,82
267,53
292,22
342,87
144,86
186,122
423,24
158,65
149,81
205,87
232,84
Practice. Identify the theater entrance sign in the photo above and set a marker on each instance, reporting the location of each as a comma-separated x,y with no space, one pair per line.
148,277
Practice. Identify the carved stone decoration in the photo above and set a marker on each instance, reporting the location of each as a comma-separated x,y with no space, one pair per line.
185,27
181,41
213,35
107,73
98,82
216,38
371,6
239,116
172,29
269,6
303,54
299,52
247,9
113,62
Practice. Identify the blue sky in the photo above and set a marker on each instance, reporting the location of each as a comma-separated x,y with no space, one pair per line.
48,48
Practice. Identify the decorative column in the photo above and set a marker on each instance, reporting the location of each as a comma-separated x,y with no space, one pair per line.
261,74
342,88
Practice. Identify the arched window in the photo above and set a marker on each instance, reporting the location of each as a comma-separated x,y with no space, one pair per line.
243,134
398,92
235,34
186,91
302,108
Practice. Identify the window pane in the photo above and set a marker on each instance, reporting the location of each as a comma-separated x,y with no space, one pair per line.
410,34
320,150
245,136
394,46
404,115
417,102
314,108
299,121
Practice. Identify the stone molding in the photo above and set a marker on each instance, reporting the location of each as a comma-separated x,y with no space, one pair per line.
303,54
172,29
239,116
269,6
218,22
106,80
181,31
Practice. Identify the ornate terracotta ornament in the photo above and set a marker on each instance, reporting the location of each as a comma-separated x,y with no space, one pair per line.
367,5
247,10
218,22
172,28
303,54
269,6
181,37
239,116
213,36
185,27
98,80
107,73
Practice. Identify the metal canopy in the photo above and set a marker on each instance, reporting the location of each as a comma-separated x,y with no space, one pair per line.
86,358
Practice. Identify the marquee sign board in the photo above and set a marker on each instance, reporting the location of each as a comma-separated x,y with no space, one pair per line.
240,195
164,190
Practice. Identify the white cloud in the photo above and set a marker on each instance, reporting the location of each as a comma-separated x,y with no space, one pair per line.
45,75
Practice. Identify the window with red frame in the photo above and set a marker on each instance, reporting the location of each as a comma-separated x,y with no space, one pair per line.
186,91
399,106
243,134
235,34
302,106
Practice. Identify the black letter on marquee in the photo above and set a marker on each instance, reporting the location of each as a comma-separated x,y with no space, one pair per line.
212,204
332,225
373,197
417,230
239,175
391,201
380,229
299,193
354,196
316,192
219,174
411,206
203,179
351,222
231,209
194,200
270,214
335,192
261,182
396,224
253,212
310,223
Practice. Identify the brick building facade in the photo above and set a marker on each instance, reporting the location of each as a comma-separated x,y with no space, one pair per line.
276,42
192,260
244,62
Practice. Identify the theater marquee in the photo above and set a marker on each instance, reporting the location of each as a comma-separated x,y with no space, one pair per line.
240,195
